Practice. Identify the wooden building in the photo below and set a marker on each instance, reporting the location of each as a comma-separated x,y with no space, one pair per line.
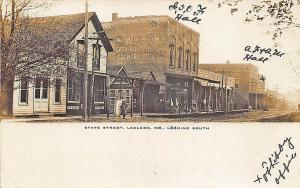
98,48
146,92
121,88
61,94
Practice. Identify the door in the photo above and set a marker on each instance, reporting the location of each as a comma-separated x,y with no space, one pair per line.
41,95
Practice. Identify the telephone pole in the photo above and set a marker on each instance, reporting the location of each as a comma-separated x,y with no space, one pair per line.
85,74
253,99
226,97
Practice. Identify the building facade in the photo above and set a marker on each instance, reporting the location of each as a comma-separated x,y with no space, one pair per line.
62,94
121,89
249,86
98,79
170,51
161,45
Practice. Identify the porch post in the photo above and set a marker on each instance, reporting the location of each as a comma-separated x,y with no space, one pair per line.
107,96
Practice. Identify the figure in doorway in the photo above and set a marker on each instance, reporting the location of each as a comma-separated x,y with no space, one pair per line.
123,109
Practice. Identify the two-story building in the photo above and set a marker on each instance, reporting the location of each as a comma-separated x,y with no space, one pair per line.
161,45
61,94
249,86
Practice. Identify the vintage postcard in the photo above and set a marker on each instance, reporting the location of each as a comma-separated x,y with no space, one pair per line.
161,93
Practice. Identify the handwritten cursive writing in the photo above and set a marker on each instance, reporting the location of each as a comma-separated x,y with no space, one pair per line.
186,13
262,52
273,163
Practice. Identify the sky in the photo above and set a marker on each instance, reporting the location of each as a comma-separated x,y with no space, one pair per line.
222,36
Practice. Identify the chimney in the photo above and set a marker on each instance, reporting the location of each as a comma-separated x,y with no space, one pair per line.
114,16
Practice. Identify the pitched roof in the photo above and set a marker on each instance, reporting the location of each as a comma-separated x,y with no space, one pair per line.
67,27
141,75
114,69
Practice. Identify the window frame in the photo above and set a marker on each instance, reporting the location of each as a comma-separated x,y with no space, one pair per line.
41,90
79,65
172,54
180,57
72,87
26,90
195,62
188,59
97,64
45,90
101,89
236,83
127,96
55,91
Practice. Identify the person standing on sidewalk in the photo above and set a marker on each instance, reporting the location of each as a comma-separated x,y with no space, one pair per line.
123,109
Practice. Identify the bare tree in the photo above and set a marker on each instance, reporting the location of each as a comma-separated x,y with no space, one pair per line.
280,15
27,48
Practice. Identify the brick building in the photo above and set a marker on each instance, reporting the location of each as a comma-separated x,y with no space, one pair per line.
161,45
249,87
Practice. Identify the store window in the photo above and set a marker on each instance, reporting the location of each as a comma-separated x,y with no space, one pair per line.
99,92
74,88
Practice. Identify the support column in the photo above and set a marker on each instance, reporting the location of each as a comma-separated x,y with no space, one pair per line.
205,105
216,92
107,103
210,99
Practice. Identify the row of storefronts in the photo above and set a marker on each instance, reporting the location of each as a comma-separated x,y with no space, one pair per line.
160,73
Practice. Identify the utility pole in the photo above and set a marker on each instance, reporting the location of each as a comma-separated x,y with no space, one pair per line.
256,96
179,99
94,61
85,76
252,95
222,92
226,100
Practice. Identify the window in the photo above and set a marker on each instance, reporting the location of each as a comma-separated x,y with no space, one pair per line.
127,96
171,46
24,91
38,83
80,53
236,83
120,93
45,88
112,96
74,88
41,88
112,93
96,56
188,59
99,91
180,57
186,84
57,91
195,62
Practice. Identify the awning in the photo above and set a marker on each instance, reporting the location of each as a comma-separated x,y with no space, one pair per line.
201,81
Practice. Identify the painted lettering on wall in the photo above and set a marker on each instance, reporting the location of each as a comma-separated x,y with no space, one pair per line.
149,38
140,46
187,12
140,55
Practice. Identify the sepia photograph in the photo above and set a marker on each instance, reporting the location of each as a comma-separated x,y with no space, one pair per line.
161,93
178,61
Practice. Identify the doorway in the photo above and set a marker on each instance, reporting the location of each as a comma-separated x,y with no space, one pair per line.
41,95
